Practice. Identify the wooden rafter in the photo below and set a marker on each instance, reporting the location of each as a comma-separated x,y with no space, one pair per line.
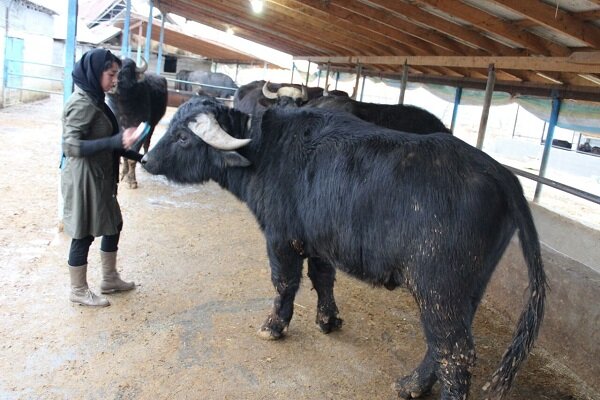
267,39
493,24
442,44
555,18
417,45
447,28
254,29
302,13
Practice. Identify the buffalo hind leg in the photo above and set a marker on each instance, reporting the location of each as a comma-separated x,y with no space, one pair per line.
420,382
286,273
448,331
322,276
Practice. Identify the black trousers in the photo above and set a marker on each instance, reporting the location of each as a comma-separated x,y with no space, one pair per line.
78,252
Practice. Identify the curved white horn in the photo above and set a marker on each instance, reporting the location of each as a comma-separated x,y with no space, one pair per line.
353,95
304,93
289,91
209,130
143,68
267,93
326,90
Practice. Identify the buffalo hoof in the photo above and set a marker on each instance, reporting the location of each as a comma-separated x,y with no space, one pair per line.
329,324
272,329
409,387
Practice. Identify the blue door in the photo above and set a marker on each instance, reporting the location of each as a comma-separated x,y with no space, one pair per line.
13,66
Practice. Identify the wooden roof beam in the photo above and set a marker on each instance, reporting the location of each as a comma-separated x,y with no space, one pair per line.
359,32
448,28
556,64
443,44
418,46
491,23
266,39
244,17
557,19
304,14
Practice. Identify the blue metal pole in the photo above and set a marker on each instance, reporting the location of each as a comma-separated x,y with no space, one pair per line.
160,44
149,34
70,44
125,47
457,97
548,145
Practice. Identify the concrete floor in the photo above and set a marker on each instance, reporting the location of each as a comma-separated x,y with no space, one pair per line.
189,329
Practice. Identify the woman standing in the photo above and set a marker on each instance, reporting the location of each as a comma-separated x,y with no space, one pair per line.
92,146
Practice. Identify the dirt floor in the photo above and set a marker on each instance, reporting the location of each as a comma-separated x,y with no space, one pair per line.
189,329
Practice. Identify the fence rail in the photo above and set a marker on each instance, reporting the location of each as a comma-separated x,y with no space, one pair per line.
557,185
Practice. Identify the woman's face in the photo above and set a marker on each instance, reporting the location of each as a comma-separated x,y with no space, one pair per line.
109,77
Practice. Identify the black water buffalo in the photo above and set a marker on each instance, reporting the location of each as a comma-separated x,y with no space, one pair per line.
255,97
182,75
427,212
140,96
214,84
400,117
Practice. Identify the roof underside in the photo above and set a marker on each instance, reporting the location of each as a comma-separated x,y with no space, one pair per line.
553,42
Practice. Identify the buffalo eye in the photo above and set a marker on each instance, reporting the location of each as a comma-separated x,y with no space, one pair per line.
183,138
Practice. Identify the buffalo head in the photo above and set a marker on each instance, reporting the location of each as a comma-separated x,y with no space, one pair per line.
200,138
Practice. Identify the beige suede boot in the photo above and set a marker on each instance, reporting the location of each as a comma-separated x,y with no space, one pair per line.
80,292
111,281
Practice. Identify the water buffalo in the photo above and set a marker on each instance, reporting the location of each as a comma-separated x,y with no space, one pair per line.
214,84
400,117
140,96
425,212
255,97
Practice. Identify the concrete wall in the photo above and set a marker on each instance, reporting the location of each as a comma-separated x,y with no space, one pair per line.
571,256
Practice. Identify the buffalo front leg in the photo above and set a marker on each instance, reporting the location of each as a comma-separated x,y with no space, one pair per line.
131,180
124,169
322,276
286,272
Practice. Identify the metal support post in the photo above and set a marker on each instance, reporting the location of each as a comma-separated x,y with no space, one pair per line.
403,83
457,97
149,33
548,144
160,42
125,47
487,102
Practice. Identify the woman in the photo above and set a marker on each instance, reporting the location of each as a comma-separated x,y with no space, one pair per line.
92,146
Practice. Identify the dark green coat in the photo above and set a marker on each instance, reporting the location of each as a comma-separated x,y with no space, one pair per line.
89,184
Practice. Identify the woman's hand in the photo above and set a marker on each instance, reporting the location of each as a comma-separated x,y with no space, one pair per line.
130,136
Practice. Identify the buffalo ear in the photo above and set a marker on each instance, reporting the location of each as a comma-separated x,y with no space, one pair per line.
234,159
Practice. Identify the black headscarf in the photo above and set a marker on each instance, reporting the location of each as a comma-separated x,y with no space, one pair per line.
87,75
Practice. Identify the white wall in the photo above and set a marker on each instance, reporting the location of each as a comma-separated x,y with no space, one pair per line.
36,29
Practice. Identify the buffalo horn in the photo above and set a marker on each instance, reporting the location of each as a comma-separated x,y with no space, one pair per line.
289,91
353,95
143,68
326,90
267,93
209,130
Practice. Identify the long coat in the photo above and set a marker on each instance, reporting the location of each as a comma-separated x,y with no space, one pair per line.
89,184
